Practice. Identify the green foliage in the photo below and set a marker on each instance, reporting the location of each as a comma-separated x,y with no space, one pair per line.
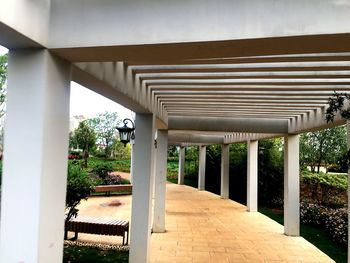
119,151
172,171
336,104
339,181
85,139
79,186
118,165
333,220
3,74
172,151
102,169
0,174
238,172
78,254
104,124
270,172
323,147
191,166
213,168
325,188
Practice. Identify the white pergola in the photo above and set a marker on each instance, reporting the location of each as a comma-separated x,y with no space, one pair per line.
195,72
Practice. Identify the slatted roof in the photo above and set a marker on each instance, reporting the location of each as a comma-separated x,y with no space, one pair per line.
291,89
281,87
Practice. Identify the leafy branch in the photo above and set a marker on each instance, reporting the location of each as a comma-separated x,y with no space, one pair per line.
336,104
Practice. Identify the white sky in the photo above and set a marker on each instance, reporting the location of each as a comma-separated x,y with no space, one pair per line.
88,103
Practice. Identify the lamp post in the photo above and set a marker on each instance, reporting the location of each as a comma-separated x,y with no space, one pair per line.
126,133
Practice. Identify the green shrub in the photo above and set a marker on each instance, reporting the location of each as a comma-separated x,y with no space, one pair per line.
337,225
333,220
79,186
172,170
117,165
0,173
112,179
102,170
325,188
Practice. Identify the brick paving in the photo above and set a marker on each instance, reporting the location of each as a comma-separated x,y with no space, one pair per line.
202,227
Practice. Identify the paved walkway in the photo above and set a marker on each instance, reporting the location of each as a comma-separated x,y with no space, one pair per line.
201,227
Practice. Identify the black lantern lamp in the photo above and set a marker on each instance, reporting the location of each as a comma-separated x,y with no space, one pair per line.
126,133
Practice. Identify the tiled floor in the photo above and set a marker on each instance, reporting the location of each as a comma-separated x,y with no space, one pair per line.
201,227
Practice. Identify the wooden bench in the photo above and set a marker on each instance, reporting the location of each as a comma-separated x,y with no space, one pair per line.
98,226
114,187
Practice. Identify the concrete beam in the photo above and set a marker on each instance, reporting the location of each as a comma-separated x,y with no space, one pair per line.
195,138
77,24
243,137
228,124
24,23
91,80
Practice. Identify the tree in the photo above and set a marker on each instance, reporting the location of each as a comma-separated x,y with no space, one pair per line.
105,125
79,186
85,138
323,146
3,74
339,103
120,151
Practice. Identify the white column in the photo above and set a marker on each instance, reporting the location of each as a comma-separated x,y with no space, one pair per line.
160,181
181,176
201,169
225,170
35,163
142,189
252,176
291,185
348,141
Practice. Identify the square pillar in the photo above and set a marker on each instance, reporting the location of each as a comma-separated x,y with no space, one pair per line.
35,162
252,176
225,170
160,181
181,176
291,186
201,170
140,230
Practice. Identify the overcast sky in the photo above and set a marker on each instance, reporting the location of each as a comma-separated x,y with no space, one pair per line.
88,103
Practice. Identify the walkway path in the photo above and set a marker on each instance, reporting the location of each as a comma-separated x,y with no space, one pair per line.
201,227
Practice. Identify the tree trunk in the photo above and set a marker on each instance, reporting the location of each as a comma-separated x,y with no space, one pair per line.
86,156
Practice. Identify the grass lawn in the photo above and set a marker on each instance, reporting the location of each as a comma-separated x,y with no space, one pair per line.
314,235
78,254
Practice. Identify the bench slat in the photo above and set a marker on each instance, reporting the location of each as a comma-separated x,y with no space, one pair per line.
99,226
